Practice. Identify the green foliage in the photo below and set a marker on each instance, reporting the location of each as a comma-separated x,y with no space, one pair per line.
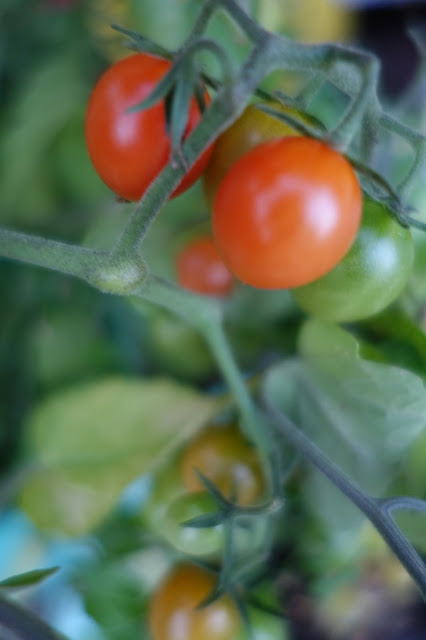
90,442
363,414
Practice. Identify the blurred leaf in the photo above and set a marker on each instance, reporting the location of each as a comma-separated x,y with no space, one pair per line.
55,90
27,579
118,606
363,414
93,440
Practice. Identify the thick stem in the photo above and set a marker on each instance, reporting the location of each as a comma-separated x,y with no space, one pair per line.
58,256
22,624
371,507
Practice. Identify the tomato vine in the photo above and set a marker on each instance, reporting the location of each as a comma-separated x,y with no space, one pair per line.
123,270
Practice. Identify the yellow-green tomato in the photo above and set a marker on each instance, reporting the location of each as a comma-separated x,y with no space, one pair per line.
371,275
251,129
174,612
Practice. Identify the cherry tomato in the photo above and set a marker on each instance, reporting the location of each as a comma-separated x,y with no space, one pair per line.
251,129
128,150
286,213
223,455
173,613
178,495
370,276
200,268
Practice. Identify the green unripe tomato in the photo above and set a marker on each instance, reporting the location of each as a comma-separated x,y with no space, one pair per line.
204,541
371,275
192,540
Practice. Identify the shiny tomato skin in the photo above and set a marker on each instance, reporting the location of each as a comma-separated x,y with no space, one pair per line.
370,276
128,150
252,128
200,268
286,213
173,614
224,457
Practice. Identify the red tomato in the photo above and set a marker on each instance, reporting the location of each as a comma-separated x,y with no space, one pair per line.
173,612
200,268
286,213
128,150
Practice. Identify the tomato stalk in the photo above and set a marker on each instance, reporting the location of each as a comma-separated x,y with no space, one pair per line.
206,315
376,510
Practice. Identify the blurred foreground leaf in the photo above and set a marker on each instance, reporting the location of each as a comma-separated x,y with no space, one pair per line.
363,414
93,440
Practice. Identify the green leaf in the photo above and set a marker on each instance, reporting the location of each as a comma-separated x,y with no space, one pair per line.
363,415
28,578
93,440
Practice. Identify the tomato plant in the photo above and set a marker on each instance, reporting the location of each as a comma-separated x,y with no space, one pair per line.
370,276
286,213
200,268
252,128
173,609
128,150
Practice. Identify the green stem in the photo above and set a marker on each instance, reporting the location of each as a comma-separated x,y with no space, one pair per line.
371,507
206,315
50,254
252,423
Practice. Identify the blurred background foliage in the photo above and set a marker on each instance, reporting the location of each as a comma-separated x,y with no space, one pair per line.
67,352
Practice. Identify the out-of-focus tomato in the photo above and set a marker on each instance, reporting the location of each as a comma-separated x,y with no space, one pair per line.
370,276
173,611
224,457
200,268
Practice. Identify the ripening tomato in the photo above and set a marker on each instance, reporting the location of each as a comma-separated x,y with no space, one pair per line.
224,456
286,213
128,150
251,129
200,268
178,495
370,276
173,613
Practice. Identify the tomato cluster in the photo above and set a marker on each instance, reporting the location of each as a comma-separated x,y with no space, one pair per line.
287,210
222,455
